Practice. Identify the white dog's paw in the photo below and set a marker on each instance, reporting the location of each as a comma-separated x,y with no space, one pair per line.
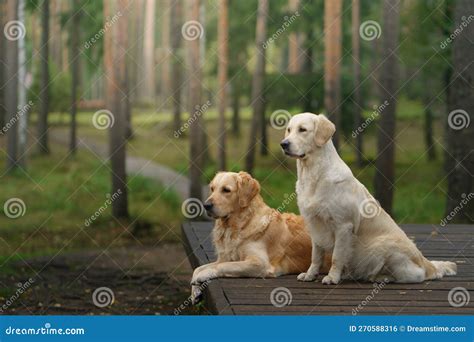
203,277
307,276
330,279
196,294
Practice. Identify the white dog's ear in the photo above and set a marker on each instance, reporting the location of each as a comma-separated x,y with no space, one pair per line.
247,189
324,130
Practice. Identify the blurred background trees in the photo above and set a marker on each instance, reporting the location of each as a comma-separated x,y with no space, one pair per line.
197,86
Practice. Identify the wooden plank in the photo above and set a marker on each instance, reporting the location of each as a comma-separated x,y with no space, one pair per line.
252,296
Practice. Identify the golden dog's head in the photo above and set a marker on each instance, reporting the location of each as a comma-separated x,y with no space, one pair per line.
230,193
305,133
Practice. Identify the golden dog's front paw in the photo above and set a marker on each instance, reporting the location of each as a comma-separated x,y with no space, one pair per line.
203,277
196,294
331,279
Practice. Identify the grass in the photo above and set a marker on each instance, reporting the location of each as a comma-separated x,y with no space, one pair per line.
61,192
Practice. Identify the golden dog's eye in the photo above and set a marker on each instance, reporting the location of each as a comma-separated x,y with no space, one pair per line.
225,190
302,129
212,189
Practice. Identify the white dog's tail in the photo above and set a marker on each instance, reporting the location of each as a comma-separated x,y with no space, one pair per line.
443,268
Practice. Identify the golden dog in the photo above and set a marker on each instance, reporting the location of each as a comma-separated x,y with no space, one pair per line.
251,239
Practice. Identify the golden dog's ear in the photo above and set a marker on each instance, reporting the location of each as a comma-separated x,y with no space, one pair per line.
247,188
324,131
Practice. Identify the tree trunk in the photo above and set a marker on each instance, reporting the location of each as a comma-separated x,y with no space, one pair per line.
385,163
257,83
165,8
332,63
3,10
43,146
295,42
236,109
223,53
176,64
115,67
460,127
428,123
149,83
357,85
308,69
22,107
195,129
137,30
263,134
75,56
11,90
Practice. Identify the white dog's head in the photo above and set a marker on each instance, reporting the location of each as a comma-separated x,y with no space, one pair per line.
305,133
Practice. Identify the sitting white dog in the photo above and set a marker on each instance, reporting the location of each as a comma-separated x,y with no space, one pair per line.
344,218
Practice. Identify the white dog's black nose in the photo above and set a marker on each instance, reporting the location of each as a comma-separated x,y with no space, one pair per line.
285,144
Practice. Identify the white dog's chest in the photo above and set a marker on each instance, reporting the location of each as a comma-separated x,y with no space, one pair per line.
311,205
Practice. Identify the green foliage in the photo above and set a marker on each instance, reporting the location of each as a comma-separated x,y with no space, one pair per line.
305,93
59,88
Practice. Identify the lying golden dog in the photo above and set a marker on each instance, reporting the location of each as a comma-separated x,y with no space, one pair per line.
251,239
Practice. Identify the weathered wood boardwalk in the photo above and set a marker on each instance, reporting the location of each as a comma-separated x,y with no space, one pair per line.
249,296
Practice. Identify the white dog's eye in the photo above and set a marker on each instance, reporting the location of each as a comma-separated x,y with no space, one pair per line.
302,129
288,130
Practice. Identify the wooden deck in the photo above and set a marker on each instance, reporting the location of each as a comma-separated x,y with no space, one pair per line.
249,296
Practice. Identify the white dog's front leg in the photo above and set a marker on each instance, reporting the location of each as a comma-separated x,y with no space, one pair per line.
341,253
317,254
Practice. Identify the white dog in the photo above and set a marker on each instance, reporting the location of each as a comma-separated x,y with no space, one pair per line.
343,217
